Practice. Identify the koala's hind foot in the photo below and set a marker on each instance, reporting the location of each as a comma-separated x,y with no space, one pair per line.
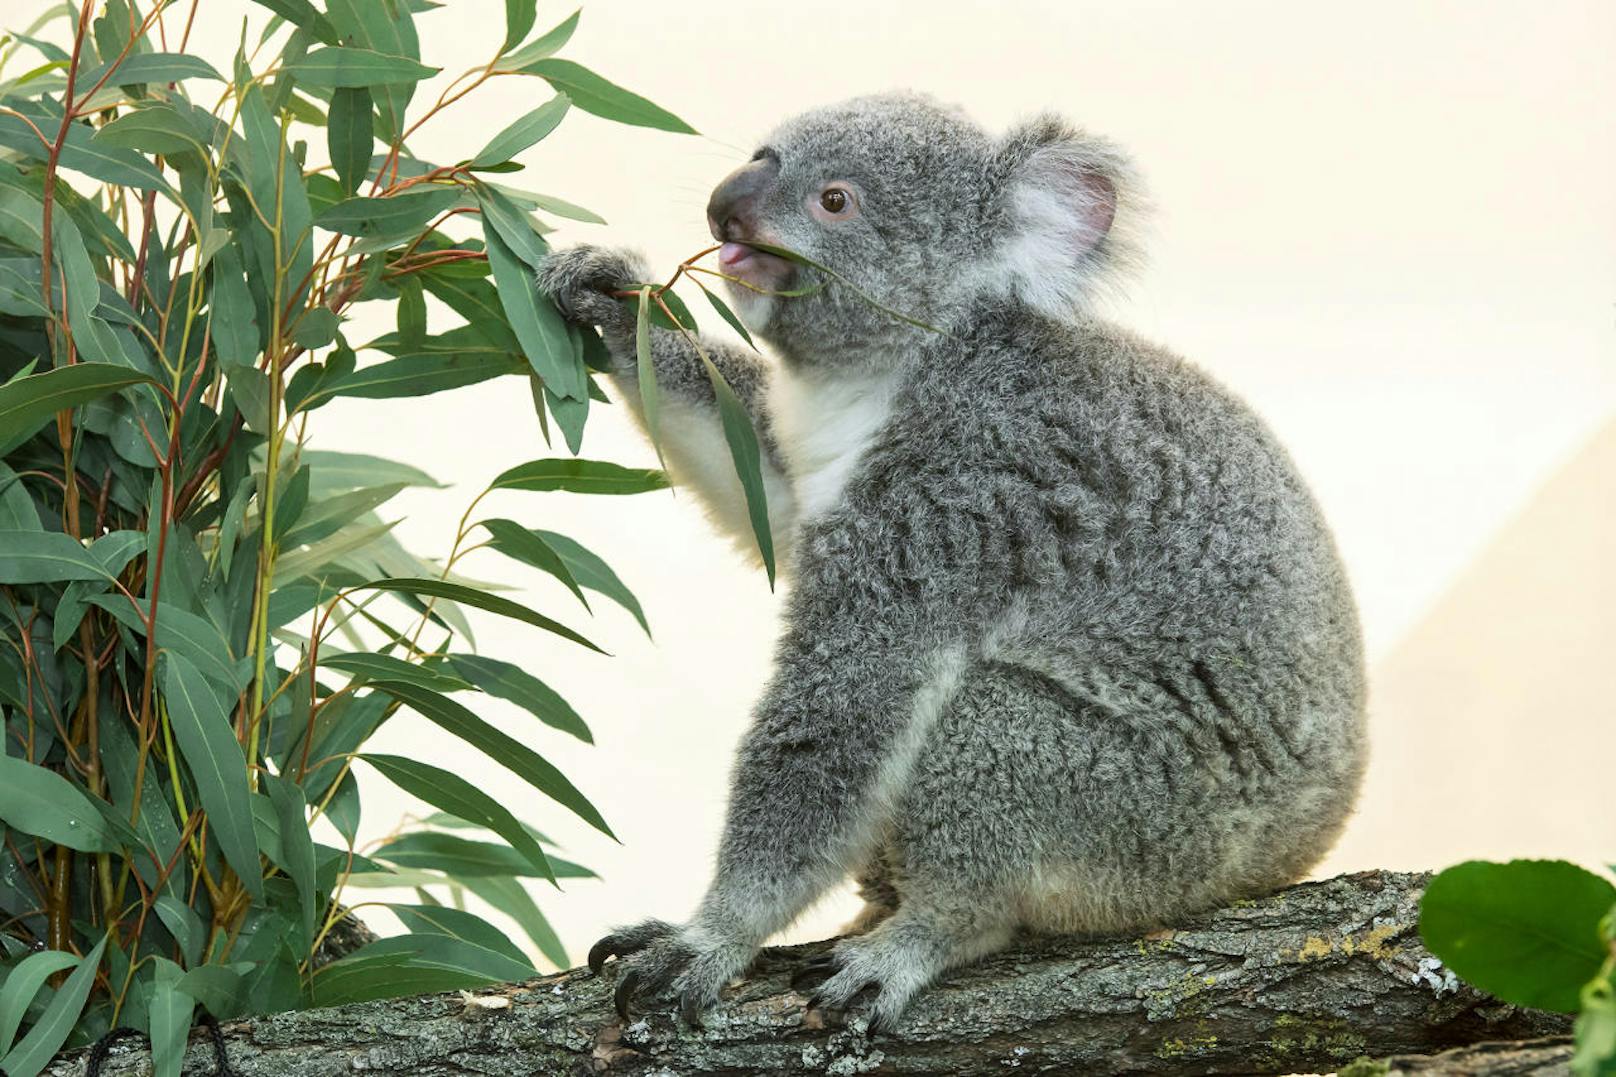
900,957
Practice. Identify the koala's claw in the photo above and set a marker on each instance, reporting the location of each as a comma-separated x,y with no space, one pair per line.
581,280
626,941
659,960
815,972
626,986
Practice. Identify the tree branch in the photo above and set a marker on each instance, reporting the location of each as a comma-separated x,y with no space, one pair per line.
1310,979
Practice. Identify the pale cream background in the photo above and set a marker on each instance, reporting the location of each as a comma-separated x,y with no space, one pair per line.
1392,226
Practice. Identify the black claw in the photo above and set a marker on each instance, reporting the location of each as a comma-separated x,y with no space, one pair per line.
625,993
599,952
876,1025
815,1000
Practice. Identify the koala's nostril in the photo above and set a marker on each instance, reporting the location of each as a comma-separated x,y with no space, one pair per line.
732,211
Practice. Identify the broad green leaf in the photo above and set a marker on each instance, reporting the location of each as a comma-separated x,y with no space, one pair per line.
350,134
525,132
17,509
233,317
336,471
743,449
410,965
386,28
142,67
202,727
170,1018
459,924
510,897
459,798
297,849
341,66
124,168
22,219
519,16
22,983
156,128
538,326
28,403
43,803
594,574
515,541
570,416
1526,931
316,328
46,557
470,596
580,477
594,94
343,809
418,375
541,47
302,13
218,988
516,685
35,1051
499,747
366,666
184,924
465,858
402,214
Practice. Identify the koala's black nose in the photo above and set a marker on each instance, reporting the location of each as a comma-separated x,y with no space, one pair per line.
732,212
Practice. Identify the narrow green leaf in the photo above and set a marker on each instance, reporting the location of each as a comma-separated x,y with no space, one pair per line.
365,666
410,965
328,515
402,214
501,748
28,403
170,1018
337,471
22,984
519,16
743,449
538,326
459,798
510,897
513,225
43,803
302,13
562,208
525,132
22,219
124,168
46,557
343,809
728,315
580,477
418,375
346,67
1527,931
202,727
517,685
184,924
594,94
464,858
459,924
138,68
35,1051
515,541
594,574
350,134
156,128
297,848
541,47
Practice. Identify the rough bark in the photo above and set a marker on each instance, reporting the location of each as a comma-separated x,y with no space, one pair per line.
1549,1057
1307,980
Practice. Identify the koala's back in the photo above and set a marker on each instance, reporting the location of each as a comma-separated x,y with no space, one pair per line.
1089,511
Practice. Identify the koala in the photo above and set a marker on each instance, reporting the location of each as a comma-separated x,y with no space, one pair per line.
1067,645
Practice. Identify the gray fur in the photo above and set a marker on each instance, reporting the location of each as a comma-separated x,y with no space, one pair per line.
1072,650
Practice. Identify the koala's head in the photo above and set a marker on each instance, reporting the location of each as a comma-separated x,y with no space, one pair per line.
923,211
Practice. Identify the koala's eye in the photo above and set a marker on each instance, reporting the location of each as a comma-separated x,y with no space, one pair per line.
836,203
834,200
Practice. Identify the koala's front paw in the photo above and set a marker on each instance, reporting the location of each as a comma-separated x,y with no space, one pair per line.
658,959
581,281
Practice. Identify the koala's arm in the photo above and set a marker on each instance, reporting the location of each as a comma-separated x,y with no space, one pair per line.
580,280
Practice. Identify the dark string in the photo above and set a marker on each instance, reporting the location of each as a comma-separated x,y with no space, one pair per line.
103,1047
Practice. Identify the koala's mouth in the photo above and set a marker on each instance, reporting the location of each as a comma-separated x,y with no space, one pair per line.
753,267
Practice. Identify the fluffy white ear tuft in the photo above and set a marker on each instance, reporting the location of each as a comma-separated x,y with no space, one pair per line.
1062,214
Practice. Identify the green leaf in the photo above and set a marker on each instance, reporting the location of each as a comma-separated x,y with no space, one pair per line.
515,541
460,798
139,68
512,225
343,809
472,597
525,132
743,449
170,1018
328,515
350,134
46,557
401,214
594,94
194,638
570,416
28,403
510,897
346,67
459,924
418,375
218,987
233,317
411,965
297,848
124,168
202,727
517,685
183,923
22,219
465,858
43,803
365,666
501,748
302,13
548,44
156,128
728,315
1526,931
34,1053
533,317
562,208
22,983
337,471
519,16
580,477
594,574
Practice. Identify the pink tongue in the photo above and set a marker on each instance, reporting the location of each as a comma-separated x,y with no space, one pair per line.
732,254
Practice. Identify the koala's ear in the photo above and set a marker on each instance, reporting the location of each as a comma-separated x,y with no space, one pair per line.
1061,211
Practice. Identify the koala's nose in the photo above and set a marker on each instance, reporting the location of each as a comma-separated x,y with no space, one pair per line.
732,212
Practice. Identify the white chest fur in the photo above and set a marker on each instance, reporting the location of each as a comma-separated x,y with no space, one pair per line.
823,425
